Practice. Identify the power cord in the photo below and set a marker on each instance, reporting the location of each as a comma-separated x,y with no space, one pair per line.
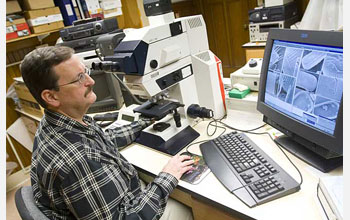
319,199
207,129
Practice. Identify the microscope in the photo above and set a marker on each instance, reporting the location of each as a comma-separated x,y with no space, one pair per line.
169,64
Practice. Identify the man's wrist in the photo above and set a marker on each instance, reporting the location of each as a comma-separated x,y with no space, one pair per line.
145,122
168,181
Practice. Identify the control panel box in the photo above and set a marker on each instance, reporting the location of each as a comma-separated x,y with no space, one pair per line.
259,31
248,75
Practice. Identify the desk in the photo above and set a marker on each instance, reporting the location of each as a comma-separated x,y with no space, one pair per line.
210,200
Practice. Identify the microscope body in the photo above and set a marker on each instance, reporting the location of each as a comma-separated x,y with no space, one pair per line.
170,61
159,58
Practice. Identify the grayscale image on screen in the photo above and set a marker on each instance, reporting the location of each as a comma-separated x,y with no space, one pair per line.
305,82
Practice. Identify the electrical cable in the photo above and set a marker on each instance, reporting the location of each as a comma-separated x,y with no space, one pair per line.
280,147
241,130
319,199
216,126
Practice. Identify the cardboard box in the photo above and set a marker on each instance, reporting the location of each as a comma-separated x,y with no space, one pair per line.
37,4
32,108
43,20
93,6
15,21
112,12
16,28
12,7
43,16
110,4
30,124
26,100
98,15
23,92
47,27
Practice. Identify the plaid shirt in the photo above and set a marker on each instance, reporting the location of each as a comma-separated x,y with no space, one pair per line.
78,173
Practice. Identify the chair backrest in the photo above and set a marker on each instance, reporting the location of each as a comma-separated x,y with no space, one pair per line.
26,205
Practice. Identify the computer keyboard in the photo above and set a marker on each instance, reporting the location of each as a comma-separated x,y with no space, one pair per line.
245,170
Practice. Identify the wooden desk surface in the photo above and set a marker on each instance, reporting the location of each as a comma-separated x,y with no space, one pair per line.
300,205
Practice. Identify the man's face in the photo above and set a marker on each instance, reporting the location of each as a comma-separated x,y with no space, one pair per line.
77,96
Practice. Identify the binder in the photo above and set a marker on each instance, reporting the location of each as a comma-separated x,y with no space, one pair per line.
67,11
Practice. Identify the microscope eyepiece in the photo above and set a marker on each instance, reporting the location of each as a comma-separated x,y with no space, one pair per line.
108,66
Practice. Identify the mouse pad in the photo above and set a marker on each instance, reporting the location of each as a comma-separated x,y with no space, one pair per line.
199,170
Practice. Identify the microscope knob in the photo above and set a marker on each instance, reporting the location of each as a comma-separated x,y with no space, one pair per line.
253,63
153,64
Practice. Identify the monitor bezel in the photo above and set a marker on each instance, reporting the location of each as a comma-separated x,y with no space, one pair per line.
333,143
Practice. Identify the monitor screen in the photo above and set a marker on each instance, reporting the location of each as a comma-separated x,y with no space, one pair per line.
305,82
301,93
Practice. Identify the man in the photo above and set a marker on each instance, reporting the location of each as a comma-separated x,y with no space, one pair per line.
77,171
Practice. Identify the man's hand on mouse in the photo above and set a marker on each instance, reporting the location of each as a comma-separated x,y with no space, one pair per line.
178,165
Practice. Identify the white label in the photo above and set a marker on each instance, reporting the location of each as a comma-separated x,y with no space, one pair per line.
69,10
186,72
44,20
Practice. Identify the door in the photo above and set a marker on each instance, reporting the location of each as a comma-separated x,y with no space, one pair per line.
227,28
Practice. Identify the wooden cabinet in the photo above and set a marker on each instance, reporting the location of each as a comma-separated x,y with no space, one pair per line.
133,15
227,26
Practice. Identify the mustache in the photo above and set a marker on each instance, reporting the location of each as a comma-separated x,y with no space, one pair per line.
88,90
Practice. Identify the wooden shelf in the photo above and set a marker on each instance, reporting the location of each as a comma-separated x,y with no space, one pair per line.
36,118
31,36
13,64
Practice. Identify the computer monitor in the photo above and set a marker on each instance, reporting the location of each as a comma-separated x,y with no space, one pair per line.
301,93
108,92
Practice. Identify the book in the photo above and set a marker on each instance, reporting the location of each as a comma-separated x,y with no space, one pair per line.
198,172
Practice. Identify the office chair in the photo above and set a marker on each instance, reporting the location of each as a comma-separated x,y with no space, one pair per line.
26,205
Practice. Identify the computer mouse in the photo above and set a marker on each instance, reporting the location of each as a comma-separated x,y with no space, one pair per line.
187,153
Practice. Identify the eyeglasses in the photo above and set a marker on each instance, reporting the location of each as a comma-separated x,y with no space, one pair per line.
81,77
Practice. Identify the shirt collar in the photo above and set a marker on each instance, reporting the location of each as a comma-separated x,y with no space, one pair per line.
68,123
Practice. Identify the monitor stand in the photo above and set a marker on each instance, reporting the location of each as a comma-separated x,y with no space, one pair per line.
310,157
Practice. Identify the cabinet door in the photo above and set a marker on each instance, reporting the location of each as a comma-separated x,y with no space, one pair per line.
227,27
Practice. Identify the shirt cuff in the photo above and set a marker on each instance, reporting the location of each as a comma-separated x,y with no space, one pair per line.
167,181
145,122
